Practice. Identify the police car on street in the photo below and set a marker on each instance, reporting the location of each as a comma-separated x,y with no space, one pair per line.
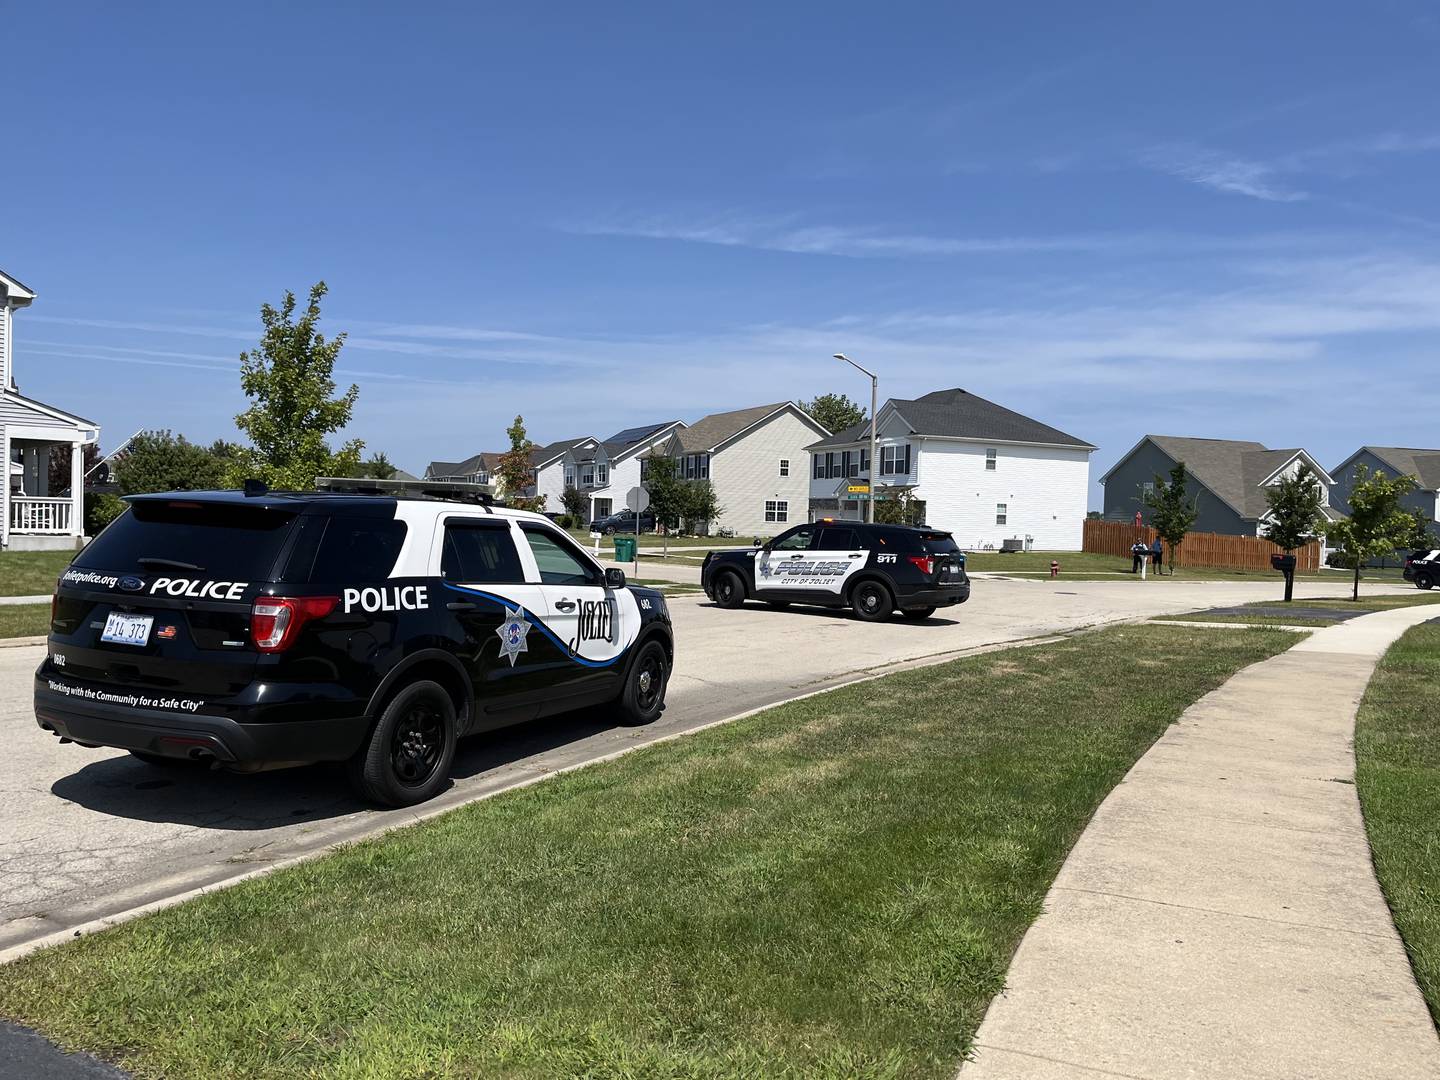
872,569
264,629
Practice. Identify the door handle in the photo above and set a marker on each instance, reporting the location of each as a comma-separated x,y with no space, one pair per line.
460,605
565,605
854,556
797,556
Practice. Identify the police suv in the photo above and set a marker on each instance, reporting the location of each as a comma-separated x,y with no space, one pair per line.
872,569
258,630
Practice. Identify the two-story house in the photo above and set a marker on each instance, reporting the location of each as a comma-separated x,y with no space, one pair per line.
755,460
578,463
624,455
1227,478
1424,465
32,517
477,469
977,469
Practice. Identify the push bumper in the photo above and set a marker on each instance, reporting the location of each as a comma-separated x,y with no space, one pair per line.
177,734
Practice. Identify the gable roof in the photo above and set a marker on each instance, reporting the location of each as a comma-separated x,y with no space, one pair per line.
486,459
544,455
1233,470
14,291
51,412
959,414
707,433
852,434
632,435
1417,462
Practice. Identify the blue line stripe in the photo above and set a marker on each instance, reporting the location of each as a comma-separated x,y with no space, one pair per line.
536,621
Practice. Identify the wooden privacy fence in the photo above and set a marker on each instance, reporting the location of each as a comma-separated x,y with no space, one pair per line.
1198,549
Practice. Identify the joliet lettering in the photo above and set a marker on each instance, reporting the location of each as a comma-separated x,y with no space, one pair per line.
390,598
214,590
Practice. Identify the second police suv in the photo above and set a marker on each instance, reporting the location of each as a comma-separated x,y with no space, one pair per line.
258,630
874,570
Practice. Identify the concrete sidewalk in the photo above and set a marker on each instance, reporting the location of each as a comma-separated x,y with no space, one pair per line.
1219,917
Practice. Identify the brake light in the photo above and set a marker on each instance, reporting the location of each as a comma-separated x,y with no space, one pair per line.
925,563
275,621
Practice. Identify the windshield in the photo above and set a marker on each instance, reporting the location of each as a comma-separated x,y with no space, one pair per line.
239,543
938,543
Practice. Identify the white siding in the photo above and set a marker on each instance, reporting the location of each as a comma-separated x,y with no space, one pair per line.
746,473
550,485
1044,490
5,368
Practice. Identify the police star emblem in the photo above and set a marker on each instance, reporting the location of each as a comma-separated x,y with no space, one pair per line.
513,631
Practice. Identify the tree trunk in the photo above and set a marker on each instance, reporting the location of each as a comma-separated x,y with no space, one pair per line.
1355,592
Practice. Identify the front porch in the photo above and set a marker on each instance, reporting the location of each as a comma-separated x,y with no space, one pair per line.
39,516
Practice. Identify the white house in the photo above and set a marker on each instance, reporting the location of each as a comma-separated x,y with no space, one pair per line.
755,460
623,455
982,471
558,466
32,517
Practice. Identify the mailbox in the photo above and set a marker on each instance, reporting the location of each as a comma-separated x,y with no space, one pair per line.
1284,563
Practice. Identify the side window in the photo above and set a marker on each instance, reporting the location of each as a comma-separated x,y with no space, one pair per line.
358,549
989,460
557,566
794,540
832,539
777,510
784,466
480,554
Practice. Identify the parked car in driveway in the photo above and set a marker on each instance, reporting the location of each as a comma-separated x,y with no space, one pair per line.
872,569
1423,568
257,630
623,522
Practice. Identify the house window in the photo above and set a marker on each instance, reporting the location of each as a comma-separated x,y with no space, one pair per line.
777,510
989,460
602,475
587,476
569,476
831,469
818,472
695,467
1002,512
784,466
865,462
895,460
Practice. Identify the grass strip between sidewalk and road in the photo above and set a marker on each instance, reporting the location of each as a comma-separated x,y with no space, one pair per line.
830,888
24,620
1397,773
31,573
1363,606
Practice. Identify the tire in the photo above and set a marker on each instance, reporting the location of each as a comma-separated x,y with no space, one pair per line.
407,758
1423,581
871,601
160,761
642,699
729,589
918,613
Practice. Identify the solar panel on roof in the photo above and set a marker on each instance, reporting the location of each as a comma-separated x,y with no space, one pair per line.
634,434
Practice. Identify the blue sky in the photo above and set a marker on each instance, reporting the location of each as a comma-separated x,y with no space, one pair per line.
1215,219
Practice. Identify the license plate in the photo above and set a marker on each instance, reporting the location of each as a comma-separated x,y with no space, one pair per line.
123,629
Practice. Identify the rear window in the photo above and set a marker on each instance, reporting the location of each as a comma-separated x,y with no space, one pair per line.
238,543
938,543
351,549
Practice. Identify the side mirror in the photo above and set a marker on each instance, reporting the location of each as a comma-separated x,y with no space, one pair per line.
614,578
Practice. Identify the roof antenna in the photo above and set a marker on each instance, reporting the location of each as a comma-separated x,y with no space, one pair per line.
255,487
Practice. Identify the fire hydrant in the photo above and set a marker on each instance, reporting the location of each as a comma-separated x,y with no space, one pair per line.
1054,568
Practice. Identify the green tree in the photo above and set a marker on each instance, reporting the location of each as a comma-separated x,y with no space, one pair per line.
834,411
516,471
1377,524
290,382
701,506
576,504
902,508
377,467
1173,509
160,461
1295,517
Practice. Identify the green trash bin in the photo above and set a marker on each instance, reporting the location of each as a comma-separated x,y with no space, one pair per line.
624,549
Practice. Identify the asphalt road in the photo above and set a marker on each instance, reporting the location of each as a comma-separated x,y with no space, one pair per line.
85,834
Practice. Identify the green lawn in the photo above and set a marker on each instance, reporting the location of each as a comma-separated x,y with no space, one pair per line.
31,573
832,888
24,620
1364,604
1397,755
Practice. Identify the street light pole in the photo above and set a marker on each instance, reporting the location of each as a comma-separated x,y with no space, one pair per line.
874,462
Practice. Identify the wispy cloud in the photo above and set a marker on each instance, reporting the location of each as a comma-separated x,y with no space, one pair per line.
1221,172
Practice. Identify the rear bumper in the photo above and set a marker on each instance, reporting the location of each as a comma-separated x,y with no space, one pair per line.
945,596
186,735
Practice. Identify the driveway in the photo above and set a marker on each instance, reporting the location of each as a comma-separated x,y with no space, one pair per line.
88,833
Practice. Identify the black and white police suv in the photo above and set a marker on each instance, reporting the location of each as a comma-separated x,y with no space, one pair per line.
872,569
1423,568
258,630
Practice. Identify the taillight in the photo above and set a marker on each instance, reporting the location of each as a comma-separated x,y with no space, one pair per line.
275,621
925,563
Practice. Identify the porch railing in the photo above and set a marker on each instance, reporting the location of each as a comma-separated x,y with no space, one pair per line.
29,514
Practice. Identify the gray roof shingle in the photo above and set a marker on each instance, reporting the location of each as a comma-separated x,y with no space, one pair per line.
710,431
959,414
1233,469
1417,462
